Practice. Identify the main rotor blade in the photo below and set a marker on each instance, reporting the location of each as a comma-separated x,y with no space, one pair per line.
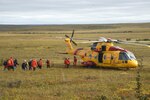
67,36
72,34
74,42
132,43
87,42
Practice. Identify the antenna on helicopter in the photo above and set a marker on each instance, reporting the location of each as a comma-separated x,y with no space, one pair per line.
71,39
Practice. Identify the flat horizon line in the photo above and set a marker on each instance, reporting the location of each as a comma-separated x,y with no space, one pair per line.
80,24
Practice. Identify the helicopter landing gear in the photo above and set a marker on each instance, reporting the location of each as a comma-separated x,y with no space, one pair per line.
88,64
126,69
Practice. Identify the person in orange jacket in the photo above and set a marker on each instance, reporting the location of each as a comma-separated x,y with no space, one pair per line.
34,64
67,62
10,64
75,61
40,64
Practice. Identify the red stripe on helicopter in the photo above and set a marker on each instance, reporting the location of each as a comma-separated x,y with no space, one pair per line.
115,48
77,50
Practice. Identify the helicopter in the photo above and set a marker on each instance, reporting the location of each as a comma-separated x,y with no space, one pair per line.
102,53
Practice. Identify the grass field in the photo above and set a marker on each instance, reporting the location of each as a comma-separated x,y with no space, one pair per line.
59,83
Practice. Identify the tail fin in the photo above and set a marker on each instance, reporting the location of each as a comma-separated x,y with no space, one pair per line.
69,46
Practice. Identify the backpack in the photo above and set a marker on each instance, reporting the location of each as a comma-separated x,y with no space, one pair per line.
9,63
5,63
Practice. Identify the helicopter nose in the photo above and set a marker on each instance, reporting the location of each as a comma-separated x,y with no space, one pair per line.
133,63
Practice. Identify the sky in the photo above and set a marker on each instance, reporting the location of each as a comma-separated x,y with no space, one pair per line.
74,11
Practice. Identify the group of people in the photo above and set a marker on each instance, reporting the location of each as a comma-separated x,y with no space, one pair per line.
67,62
10,64
32,64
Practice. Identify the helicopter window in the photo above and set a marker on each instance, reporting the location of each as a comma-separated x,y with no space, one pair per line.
131,55
104,57
93,47
104,48
123,56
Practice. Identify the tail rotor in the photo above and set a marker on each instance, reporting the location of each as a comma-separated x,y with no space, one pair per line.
71,39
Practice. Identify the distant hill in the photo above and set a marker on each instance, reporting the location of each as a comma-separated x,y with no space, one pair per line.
78,27
53,27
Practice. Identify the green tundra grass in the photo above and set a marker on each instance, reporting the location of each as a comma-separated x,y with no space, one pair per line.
75,83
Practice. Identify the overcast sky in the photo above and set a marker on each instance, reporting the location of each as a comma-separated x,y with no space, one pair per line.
74,11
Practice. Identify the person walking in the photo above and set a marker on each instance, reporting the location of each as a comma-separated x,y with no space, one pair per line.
48,63
75,61
15,63
5,65
67,62
40,64
29,63
10,64
24,65
34,64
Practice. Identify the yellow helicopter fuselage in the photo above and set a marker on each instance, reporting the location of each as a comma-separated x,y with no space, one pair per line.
104,54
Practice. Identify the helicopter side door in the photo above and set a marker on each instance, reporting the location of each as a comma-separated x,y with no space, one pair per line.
100,57
107,58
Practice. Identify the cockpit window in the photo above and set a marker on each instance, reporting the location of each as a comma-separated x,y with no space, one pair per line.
123,56
126,56
131,55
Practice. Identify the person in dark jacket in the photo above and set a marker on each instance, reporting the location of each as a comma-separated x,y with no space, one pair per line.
30,66
15,63
24,65
5,64
48,63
